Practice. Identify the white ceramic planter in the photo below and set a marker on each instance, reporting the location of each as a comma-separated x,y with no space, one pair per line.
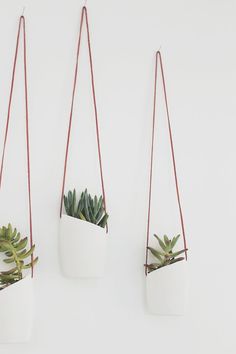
166,289
82,248
16,314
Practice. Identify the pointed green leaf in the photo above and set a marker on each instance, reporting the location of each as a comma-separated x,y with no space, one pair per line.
27,254
175,260
175,254
174,241
156,254
103,221
21,244
9,254
17,238
161,243
166,240
29,265
9,260
82,216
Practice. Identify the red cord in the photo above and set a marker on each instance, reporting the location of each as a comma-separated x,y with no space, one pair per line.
158,56
21,23
83,13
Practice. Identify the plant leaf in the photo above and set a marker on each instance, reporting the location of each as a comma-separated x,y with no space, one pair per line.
161,243
82,216
27,254
9,260
156,254
22,244
175,254
174,241
175,260
167,241
29,265
103,221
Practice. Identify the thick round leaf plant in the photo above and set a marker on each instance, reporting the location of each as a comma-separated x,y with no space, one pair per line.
164,255
14,248
87,208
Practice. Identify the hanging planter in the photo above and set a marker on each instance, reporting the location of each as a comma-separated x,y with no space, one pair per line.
83,229
16,320
16,284
16,289
83,238
166,279
166,283
166,290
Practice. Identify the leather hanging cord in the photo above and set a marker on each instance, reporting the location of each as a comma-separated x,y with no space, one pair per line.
21,24
84,14
158,56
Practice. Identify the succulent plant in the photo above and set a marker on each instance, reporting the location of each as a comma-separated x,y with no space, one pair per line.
87,209
165,255
14,248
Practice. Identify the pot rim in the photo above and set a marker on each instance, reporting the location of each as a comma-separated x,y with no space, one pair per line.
76,220
162,269
17,284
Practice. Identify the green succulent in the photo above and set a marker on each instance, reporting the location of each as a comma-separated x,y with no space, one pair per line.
14,248
87,209
165,255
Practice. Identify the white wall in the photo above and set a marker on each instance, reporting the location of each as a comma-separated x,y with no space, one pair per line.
198,46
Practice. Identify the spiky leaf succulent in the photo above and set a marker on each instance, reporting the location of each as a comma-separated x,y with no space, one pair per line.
15,250
165,255
87,208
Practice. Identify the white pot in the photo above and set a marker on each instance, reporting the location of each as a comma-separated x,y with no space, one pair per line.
166,289
16,313
82,247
